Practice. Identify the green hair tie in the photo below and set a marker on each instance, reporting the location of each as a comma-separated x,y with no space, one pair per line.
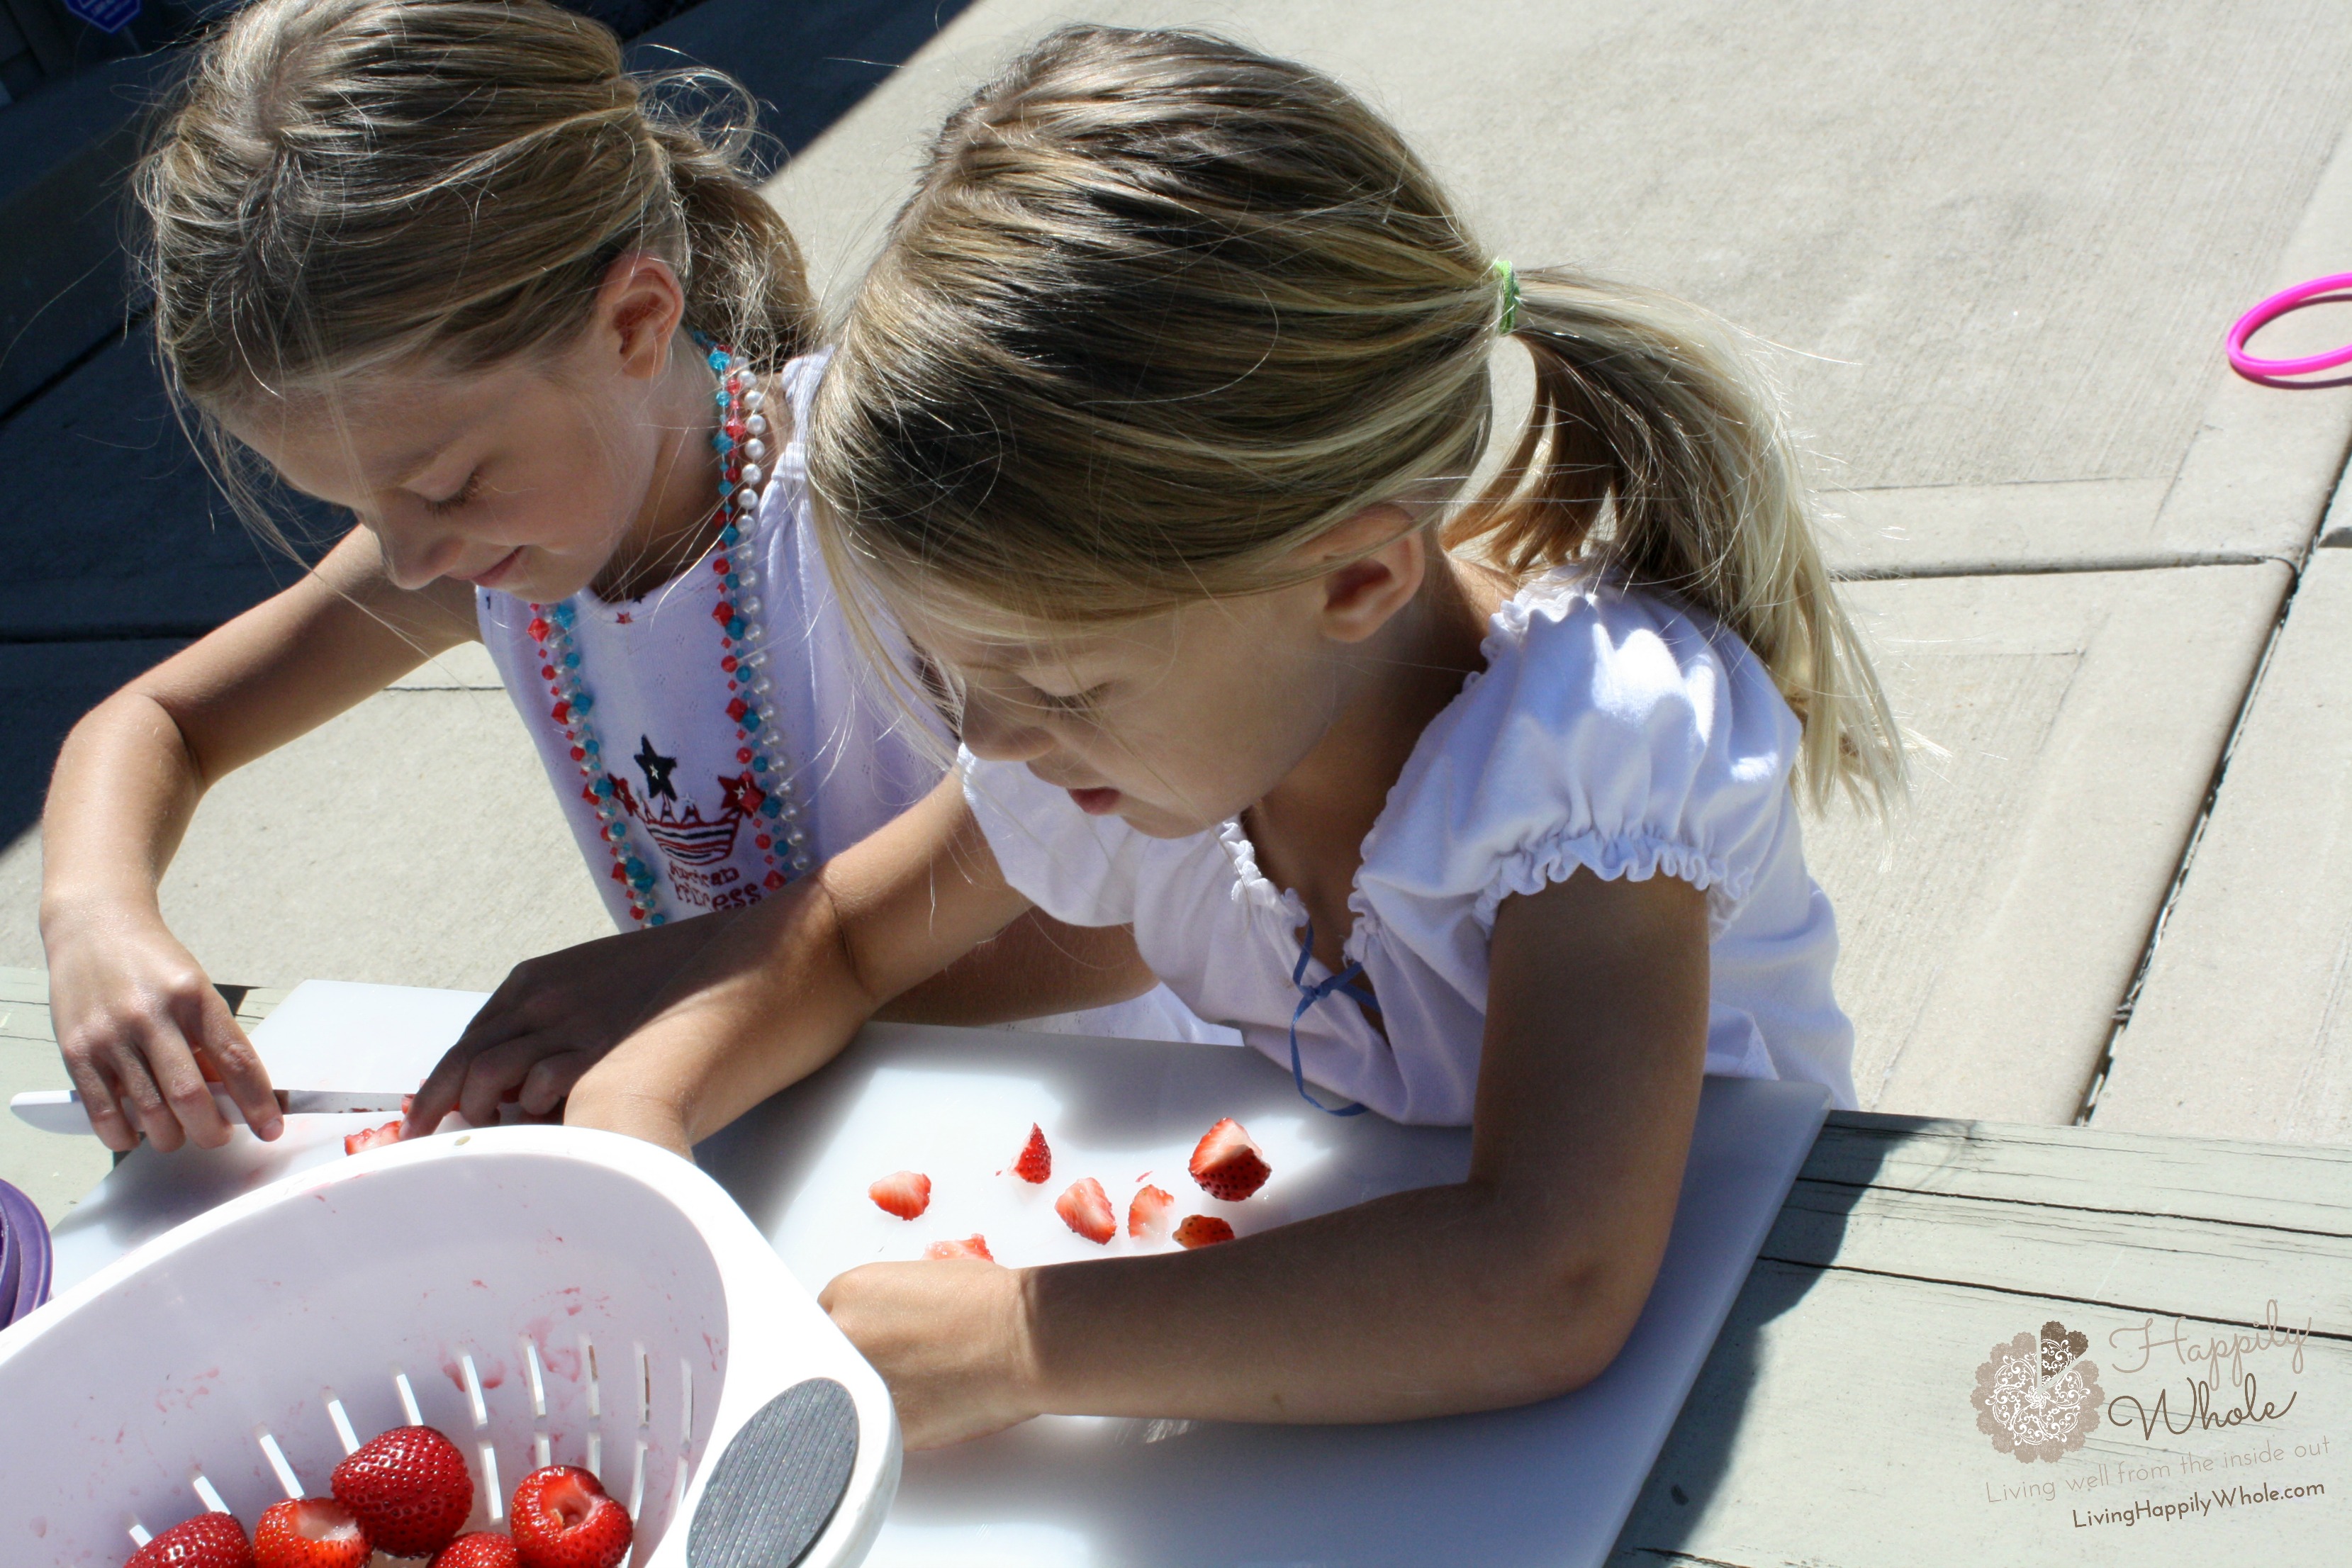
1502,269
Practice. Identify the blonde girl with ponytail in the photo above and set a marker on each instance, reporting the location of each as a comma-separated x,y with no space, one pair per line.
446,265
1153,426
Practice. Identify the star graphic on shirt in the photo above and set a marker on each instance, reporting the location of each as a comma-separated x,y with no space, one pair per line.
657,769
743,794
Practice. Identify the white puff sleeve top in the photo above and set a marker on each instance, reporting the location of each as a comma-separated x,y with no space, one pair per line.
1610,729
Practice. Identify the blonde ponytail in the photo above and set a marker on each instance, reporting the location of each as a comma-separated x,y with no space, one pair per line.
1655,450
1163,308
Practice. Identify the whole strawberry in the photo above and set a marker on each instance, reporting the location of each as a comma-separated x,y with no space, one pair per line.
562,1519
207,1541
315,1532
480,1549
409,1488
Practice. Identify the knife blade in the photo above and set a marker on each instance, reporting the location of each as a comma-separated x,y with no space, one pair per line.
60,1109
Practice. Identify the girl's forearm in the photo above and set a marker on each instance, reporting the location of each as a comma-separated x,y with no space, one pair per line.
120,798
1033,967
788,984
766,1002
1423,1303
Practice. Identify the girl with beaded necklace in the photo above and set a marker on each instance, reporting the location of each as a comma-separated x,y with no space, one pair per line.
445,264
1151,428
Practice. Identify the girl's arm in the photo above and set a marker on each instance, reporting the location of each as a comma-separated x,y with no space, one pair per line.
131,1006
1517,1284
555,1016
782,988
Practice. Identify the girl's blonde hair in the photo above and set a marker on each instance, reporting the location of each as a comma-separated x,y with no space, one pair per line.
1163,308
342,186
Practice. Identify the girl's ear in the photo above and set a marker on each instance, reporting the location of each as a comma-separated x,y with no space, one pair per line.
638,312
1385,555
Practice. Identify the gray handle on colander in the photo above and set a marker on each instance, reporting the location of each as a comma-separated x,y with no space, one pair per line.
776,1485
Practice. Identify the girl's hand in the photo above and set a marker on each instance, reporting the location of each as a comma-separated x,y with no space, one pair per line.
138,1021
950,1340
552,1019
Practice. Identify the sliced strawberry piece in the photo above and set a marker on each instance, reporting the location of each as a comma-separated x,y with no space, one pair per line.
207,1541
970,1247
409,1487
1086,1208
562,1519
906,1194
1148,1211
1202,1230
480,1549
315,1532
368,1137
1036,1161
1227,1163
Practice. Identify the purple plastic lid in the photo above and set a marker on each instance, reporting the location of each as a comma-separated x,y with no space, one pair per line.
24,1256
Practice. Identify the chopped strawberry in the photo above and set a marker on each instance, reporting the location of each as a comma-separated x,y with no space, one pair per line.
480,1549
906,1194
563,1520
315,1532
970,1247
1147,1212
207,1541
1086,1208
409,1487
407,1103
1036,1161
368,1137
1202,1230
1227,1165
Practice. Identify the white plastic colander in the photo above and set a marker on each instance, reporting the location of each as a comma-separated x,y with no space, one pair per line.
541,1294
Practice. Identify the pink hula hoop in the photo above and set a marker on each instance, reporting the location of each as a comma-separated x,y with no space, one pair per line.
2270,310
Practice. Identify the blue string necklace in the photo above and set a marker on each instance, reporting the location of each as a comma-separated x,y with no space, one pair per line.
1342,982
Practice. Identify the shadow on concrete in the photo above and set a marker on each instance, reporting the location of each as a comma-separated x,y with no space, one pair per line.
110,527
43,688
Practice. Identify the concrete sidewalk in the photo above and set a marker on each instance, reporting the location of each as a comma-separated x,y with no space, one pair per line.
1997,248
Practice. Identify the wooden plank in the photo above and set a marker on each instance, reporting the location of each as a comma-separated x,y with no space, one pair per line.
2294,1186
2126,1263
1833,1427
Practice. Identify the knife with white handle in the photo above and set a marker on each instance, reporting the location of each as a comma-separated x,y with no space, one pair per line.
60,1109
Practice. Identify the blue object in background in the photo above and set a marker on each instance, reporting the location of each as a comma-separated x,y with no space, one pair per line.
24,1256
112,14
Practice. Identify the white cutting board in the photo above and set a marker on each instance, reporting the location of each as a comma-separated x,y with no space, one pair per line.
1550,1484
327,1034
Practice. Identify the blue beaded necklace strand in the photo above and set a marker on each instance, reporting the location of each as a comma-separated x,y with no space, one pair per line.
763,794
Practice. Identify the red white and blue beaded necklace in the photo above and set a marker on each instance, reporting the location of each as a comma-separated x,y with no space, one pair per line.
764,794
